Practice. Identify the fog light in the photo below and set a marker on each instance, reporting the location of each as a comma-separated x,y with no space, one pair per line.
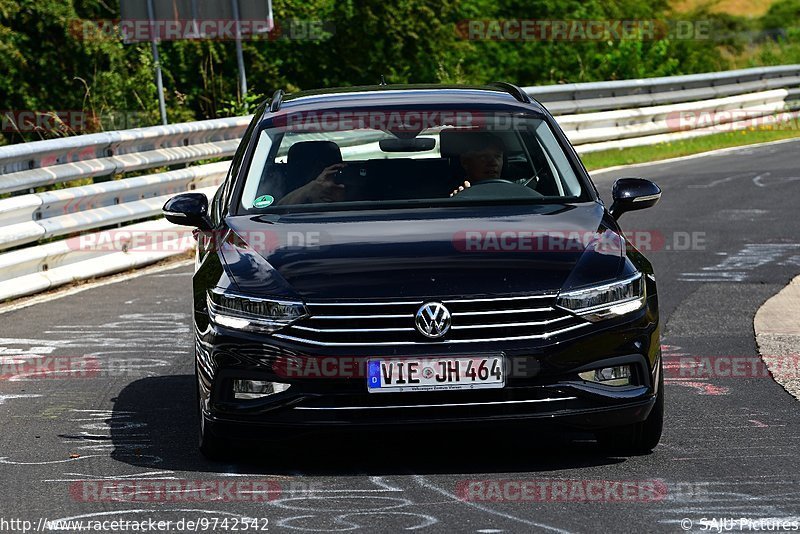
256,389
619,375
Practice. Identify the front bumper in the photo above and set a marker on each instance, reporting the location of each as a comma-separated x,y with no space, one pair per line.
541,385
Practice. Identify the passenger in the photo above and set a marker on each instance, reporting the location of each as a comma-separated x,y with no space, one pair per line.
323,188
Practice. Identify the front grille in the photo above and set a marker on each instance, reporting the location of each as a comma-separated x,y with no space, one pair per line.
392,323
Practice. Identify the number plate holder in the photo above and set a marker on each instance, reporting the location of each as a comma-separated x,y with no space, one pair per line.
436,373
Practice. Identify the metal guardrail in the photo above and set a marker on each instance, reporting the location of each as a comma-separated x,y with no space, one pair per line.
57,236
29,218
28,165
591,132
572,92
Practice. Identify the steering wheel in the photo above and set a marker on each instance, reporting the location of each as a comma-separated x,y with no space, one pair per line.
502,188
492,181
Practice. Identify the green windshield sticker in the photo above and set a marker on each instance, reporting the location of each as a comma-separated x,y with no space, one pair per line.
263,201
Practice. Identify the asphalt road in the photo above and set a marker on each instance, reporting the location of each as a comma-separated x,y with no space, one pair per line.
122,406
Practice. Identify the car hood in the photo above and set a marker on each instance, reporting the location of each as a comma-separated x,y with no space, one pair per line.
422,253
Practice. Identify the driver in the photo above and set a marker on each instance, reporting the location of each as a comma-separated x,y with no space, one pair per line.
483,160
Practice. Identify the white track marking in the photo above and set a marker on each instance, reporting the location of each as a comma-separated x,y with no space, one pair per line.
422,481
5,460
737,267
715,183
4,398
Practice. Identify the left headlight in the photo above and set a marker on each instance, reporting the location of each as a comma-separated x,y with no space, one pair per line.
252,314
605,301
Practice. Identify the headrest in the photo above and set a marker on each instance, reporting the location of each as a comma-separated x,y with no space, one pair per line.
306,159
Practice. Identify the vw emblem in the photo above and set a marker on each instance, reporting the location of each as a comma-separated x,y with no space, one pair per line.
433,320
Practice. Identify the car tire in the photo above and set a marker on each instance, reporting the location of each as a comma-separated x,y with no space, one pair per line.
211,445
638,438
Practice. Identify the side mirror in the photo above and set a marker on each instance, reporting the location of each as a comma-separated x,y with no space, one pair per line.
631,194
188,209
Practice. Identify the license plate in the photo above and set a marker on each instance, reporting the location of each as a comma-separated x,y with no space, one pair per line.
435,374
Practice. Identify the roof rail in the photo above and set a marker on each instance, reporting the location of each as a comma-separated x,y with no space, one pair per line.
277,99
513,90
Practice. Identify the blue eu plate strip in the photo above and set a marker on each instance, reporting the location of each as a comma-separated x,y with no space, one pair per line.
374,375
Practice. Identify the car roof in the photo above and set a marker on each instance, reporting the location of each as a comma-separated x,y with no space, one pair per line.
470,97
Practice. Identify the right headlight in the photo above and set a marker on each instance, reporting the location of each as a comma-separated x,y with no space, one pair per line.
605,301
252,314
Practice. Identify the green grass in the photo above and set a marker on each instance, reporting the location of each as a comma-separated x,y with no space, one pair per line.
643,154
741,8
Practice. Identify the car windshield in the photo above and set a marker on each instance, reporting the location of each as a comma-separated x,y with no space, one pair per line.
363,160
